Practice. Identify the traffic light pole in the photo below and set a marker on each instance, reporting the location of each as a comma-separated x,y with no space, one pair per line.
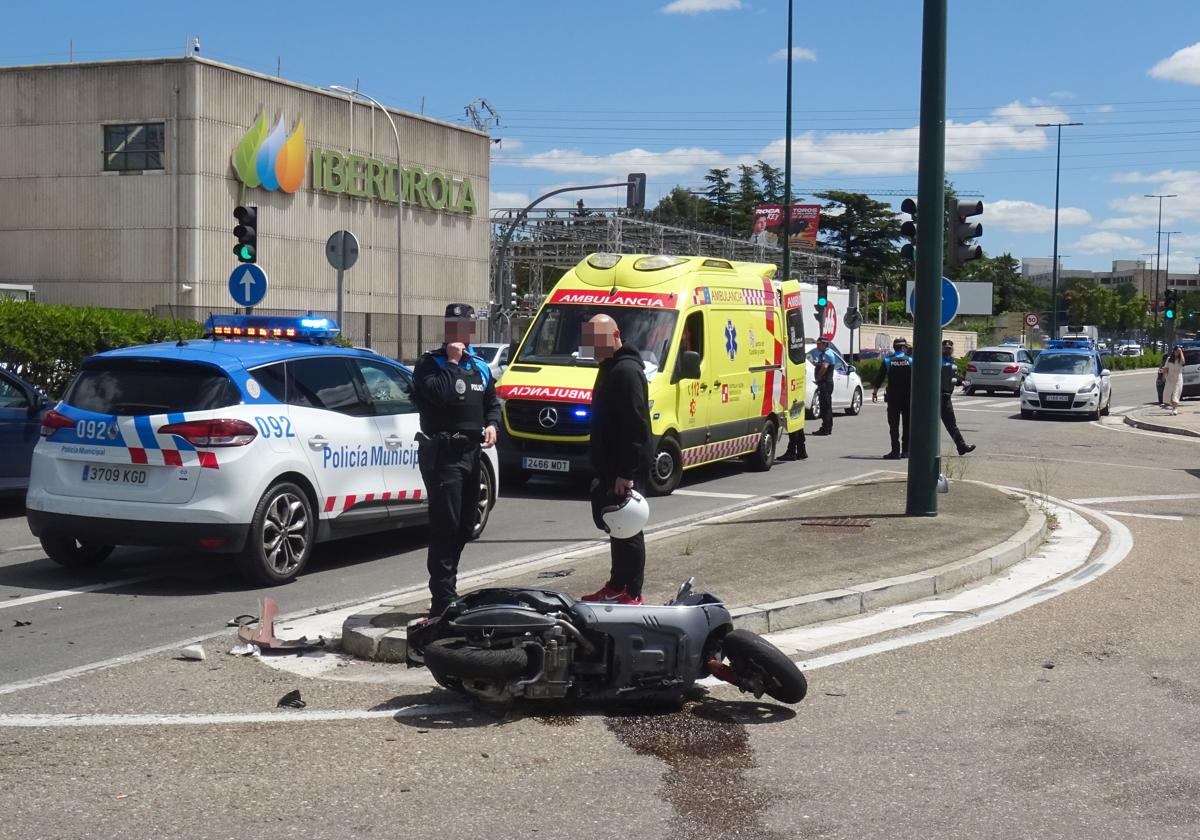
923,462
787,161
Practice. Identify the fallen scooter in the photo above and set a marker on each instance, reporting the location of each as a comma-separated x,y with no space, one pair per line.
512,642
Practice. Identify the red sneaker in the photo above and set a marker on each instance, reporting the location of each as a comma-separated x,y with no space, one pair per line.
627,599
606,593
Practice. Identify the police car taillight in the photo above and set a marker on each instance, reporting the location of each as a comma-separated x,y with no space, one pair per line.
212,432
53,421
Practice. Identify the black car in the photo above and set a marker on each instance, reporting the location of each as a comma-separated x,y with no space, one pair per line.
21,409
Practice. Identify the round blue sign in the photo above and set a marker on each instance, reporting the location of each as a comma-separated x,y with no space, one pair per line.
950,300
248,284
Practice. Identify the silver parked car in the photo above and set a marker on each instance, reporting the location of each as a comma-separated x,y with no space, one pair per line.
495,354
994,369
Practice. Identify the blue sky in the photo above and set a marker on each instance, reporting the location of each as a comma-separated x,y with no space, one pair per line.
592,90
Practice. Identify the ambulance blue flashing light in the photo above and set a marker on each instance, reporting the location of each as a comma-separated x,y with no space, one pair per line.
314,329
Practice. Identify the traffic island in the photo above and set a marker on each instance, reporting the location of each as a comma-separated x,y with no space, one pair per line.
795,560
1153,418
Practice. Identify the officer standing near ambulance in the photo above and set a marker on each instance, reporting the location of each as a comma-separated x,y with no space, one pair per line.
459,410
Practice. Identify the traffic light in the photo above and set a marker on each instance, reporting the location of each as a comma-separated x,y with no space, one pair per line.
909,229
822,301
246,234
960,232
1170,304
635,191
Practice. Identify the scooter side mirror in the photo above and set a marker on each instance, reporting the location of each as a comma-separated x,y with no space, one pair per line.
685,589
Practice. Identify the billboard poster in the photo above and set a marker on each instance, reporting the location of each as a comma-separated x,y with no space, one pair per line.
768,225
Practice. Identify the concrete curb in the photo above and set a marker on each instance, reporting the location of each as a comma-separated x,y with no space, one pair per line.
385,641
1146,425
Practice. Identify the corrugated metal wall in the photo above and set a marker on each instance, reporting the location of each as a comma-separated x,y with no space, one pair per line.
81,235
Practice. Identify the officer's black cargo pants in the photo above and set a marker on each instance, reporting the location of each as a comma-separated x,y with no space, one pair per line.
450,468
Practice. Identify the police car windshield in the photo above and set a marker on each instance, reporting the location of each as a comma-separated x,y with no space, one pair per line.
1064,363
150,386
554,337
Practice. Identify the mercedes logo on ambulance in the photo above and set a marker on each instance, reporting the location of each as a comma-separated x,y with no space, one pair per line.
548,417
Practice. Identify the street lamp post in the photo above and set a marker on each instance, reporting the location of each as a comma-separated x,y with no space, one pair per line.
353,94
787,160
1054,267
1168,328
1158,248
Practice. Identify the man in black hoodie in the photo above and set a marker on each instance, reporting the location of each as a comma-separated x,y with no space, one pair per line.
620,448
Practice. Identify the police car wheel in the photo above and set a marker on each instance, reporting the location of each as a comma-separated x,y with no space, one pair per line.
856,402
281,536
666,469
487,500
814,408
73,553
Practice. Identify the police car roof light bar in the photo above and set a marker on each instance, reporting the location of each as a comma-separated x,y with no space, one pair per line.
312,328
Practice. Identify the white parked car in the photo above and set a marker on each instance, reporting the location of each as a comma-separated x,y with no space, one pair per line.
847,385
495,354
1067,381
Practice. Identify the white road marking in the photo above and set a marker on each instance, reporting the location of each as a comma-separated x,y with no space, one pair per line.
1126,429
67,593
1144,515
20,548
1121,409
1076,460
708,494
297,716
1103,500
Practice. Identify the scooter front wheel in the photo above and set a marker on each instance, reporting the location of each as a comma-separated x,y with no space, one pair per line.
760,664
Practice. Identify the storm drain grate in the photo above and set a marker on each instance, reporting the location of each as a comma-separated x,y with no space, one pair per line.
838,522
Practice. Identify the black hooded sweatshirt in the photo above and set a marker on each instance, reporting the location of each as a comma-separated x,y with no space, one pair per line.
620,427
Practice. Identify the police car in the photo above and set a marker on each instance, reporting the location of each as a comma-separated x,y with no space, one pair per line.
1068,377
259,440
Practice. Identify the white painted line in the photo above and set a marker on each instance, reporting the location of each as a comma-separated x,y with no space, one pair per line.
67,593
1102,500
297,716
20,548
708,494
1126,429
1144,515
1121,409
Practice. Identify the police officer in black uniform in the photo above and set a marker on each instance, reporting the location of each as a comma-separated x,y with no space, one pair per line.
824,362
949,380
456,398
897,370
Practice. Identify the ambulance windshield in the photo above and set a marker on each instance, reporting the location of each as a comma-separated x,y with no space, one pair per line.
554,337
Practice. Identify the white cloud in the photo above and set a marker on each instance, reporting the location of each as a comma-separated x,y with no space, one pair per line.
1027,217
1104,242
507,144
696,7
679,161
1182,66
1120,223
798,54
508,199
1105,109
1179,212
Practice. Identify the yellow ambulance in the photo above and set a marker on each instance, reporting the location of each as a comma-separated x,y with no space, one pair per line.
723,347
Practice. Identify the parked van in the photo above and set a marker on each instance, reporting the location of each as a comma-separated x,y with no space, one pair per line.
723,348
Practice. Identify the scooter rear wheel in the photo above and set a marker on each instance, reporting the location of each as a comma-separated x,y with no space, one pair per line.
455,657
754,658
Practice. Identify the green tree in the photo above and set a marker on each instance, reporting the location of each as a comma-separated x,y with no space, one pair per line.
772,182
681,205
748,195
1010,291
720,196
864,232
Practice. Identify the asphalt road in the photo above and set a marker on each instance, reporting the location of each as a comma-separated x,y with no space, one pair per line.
1073,718
143,598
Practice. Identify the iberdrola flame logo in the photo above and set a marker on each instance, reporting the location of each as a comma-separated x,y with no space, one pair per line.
272,161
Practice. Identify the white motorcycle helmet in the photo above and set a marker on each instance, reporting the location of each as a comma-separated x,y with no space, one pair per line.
627,517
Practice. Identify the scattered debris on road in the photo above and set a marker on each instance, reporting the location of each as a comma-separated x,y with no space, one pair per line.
265,636
291,700
555,573
246,649
19,623
241,620
195,652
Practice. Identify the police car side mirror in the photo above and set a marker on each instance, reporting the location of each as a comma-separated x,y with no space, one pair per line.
688,366
1106,372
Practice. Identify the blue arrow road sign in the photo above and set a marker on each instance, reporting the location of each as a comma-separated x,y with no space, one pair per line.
949,300
248,285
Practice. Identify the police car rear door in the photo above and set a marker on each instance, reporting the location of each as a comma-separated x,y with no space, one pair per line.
335,425
389,389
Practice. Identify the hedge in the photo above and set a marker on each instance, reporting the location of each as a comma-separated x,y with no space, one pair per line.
1146,360
45,343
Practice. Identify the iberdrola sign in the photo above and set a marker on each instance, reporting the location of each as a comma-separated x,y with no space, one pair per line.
274,160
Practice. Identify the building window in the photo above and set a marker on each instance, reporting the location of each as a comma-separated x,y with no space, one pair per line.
133,147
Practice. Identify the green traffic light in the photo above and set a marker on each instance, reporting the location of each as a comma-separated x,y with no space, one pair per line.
822,301
244,253
1169,314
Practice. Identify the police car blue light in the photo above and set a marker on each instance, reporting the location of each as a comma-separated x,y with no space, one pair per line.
259,440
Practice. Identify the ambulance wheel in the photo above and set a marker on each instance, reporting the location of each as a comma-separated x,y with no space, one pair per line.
667,467
761,459
855,403
73,553
281,536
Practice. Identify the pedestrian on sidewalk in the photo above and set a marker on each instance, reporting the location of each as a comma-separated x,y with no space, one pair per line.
459,412
824,362
896,370
949,380
1173,378
1160,382
620,448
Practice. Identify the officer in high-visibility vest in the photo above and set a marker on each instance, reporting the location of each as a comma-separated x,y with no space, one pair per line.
456,398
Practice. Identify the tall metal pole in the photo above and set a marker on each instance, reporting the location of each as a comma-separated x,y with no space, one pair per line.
1158,251
1168,326
923,462
352,93
787,160
1054,268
